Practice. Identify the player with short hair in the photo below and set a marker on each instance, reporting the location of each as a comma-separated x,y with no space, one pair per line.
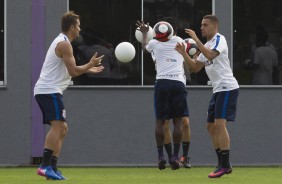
170,98
222,106
58,68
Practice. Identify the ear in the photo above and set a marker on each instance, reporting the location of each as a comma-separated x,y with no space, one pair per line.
72,27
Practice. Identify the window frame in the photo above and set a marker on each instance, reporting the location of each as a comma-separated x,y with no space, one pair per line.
3,83
141,86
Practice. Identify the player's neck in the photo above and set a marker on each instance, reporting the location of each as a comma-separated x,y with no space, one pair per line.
69,36
211,36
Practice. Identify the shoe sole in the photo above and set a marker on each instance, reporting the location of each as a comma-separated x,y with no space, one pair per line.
218,176
186,165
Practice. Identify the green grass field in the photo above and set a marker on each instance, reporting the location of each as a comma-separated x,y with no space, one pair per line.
196,175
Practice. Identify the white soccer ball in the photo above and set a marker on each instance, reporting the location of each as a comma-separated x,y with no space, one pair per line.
163,31
125,52
192,47
150,35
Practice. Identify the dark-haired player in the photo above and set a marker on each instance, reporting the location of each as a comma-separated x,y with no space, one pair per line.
170,93
222,106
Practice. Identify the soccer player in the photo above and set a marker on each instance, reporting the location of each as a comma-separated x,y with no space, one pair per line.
186,135
170,93
222,106
58,68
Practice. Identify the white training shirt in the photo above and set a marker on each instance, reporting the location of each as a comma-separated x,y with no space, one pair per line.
169,62
266,58
219,70
54,76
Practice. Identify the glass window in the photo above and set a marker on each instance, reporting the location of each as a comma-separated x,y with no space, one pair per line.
2,66
257,42
106,23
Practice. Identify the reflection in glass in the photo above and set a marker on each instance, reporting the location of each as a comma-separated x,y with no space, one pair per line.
254,62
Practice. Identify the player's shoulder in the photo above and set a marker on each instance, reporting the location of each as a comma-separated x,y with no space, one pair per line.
152,41
177,38
63,45
219,37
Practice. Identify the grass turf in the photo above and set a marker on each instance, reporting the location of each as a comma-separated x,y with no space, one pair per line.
196,175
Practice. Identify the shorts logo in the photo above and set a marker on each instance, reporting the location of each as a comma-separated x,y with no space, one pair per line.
64,114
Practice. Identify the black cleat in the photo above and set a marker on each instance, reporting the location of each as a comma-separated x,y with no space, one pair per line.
174,164
162,163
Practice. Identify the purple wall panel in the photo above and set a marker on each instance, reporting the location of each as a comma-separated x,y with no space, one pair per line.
38,55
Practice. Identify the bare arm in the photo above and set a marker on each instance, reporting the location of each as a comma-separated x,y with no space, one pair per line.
64,50
192,64
210,54
144,28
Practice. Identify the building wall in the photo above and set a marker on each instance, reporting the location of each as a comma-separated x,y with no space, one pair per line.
15,97
115,126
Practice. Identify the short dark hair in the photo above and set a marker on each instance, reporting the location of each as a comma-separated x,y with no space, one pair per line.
173,22
212,18
68,19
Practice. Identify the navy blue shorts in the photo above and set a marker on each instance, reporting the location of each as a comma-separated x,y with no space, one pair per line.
223,106
170,99
52,107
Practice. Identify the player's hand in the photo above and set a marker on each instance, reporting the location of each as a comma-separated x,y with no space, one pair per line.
144,28
96,61
196,55
191,33
180,47
96,69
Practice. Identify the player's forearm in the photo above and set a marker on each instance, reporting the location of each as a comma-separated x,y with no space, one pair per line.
79,70
190,63
144,40
204,50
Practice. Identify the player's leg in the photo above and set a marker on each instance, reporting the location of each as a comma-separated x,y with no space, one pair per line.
52,109
159,136
167,139
224,146
161,113
54,141
211,128
215,141
177,137
186,136
178,109
224,141
225,110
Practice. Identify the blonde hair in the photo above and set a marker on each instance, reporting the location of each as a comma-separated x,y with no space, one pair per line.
68,19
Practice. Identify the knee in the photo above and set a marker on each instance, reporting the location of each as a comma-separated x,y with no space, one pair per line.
211,128
64,129
185,124
166,127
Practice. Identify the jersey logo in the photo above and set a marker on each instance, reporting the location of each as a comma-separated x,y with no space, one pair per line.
207,63
171,60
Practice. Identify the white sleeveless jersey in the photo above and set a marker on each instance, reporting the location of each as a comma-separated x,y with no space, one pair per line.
54,76
219,70
168,62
